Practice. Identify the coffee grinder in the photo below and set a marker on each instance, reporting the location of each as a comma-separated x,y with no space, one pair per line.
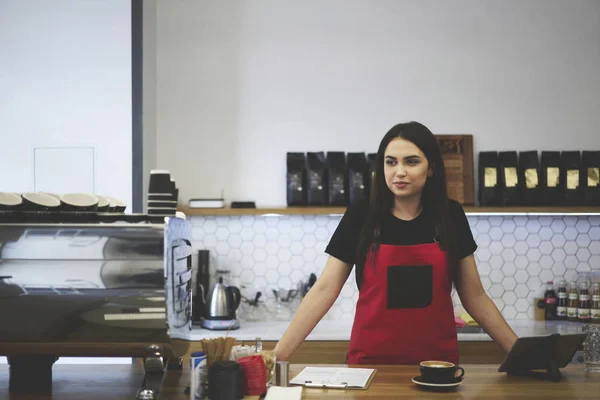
201,287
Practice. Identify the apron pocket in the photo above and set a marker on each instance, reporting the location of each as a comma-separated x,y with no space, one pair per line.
409,286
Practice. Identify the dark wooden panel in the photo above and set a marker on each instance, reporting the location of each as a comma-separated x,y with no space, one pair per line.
119,382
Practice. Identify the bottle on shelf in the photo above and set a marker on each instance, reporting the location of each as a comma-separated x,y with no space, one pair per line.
595,309
572,302
258,345
561,304
585,304
550,302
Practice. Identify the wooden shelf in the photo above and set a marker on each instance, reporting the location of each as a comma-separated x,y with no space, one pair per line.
262,211
470,210
532,210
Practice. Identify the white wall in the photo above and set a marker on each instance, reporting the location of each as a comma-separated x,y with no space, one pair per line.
149,93
65,81
236,79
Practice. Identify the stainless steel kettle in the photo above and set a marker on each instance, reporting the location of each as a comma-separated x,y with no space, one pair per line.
222,302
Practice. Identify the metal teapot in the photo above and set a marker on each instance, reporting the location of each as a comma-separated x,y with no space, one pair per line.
222,302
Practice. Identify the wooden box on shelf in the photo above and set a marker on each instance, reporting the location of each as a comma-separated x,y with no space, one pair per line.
457,151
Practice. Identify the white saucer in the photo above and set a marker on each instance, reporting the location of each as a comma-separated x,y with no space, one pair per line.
419,381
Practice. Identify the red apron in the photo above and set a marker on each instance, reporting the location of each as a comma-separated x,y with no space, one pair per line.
404,313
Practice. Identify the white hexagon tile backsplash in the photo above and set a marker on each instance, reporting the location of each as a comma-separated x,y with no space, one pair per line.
515,255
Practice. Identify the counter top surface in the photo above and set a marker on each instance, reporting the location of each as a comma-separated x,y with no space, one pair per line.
340,330
112,382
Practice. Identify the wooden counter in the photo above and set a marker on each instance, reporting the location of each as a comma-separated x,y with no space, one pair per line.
112,382
334,351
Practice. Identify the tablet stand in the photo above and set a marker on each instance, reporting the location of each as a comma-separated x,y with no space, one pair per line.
552,372
530,356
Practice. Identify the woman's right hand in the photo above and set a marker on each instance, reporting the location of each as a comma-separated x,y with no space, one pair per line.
314,306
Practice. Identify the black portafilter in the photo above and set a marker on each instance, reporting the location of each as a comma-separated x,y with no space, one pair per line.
226,381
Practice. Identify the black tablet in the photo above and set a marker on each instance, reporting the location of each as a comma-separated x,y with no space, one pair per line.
542,353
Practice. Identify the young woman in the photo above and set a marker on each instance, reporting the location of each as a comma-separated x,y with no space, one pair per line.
409,244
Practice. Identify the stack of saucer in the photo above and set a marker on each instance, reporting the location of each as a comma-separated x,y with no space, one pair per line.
53,202
162,194
44,207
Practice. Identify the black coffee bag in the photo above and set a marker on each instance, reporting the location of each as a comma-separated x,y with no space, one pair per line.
296,179
509,177
571,177
529,175
316,177
590,168
337,178
358,173
551,193
489,188
372,160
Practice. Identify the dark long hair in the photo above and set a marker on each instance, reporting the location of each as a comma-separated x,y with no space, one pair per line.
434,198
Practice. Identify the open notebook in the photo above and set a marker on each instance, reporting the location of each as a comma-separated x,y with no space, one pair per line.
335,378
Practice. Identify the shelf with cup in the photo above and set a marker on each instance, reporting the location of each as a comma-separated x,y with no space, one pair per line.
330,210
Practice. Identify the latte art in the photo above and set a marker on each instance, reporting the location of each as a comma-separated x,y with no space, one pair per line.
437,364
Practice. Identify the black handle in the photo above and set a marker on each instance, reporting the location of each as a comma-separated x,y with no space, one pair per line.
311,282
462,372
236,297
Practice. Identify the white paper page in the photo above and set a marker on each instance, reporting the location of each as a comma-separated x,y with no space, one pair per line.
284,393
314,375
352,377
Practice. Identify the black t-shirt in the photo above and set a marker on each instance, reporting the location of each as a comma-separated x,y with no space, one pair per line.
394,231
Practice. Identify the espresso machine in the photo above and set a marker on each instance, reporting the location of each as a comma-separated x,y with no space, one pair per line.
94,290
